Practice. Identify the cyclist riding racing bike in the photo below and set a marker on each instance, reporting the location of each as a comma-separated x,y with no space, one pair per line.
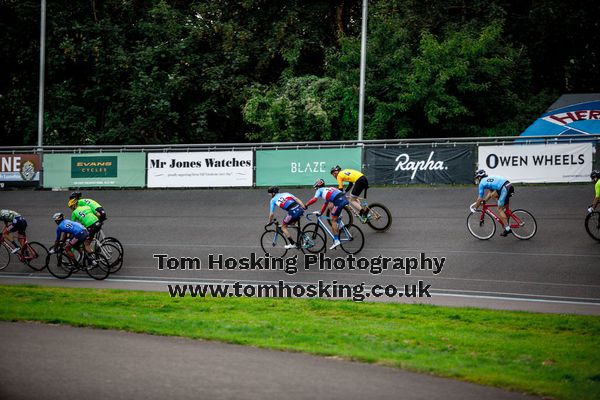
289,203
336,200
357,182
86,217
500,189
73,230
94,205
595,175
14,222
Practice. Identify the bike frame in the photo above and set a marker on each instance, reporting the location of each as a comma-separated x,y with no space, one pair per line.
487,208
341,226
9,246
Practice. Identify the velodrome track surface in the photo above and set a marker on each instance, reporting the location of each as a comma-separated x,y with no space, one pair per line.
556,271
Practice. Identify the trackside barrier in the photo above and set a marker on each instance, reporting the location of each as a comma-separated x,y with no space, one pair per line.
402,161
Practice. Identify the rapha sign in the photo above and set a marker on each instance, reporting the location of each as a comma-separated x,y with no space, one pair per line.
404,163
420,164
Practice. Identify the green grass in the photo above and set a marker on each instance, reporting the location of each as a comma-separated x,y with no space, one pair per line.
547,354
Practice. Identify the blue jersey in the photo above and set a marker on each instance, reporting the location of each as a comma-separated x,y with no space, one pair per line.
327,193
68,226
491,183
282,200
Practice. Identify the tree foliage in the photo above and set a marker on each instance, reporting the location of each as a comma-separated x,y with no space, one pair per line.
174,71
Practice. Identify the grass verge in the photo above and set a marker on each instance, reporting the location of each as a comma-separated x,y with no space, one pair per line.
547,354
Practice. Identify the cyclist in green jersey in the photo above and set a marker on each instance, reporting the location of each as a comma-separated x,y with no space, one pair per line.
86,217
13,222
94,205
595,175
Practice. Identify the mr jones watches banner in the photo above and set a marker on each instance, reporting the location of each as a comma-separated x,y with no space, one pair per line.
538,163
200,169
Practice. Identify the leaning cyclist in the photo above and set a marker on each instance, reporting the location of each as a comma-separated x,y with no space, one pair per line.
94,205
356,181
500,189
74,231
289,203
595,175
86,217
14,222
334,199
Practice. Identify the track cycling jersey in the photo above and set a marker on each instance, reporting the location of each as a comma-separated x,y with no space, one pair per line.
84,215
90,203
491,183
597,187
71,227
284,201
348,175
327,193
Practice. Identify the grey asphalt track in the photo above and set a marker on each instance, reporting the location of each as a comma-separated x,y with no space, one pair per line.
556,271
60,362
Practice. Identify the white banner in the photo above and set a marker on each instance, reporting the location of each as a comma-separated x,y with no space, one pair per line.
202,169
538,162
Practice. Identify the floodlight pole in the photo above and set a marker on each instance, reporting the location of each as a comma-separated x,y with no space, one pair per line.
363,66
42,73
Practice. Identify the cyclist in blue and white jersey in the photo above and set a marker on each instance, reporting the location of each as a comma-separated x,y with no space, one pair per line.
287,202
74,231
500,189
335,199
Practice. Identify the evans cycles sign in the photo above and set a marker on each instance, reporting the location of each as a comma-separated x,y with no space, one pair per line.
200,169
420,165
538,162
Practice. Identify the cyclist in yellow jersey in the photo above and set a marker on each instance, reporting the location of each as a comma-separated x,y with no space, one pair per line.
595,175
356,181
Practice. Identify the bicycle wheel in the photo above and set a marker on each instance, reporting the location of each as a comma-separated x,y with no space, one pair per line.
273,242
4,257
34,256
482,228
379,217
112,253
352,239
592,225
59,265
346,215
523,225
314,239
114,241
100,270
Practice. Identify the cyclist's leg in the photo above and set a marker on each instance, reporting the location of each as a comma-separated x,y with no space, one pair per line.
360,185
290,219
503,201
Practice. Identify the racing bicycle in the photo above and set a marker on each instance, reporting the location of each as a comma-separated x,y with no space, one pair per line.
32,254
351,237
592,224
62,266
378,216
273,240
111,248
482,223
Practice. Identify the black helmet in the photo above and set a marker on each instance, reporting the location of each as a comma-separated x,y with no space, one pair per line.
58,217
595,174
336,168
319,183
75,195
481,174
273,189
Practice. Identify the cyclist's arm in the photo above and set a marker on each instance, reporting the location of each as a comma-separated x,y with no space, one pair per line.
297,200
324,207
311,201
350,184
340,181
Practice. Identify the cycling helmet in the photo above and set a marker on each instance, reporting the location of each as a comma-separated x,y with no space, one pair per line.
58,217
595,174
336,168
72,203
319,183
481,174
75,195
273,189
